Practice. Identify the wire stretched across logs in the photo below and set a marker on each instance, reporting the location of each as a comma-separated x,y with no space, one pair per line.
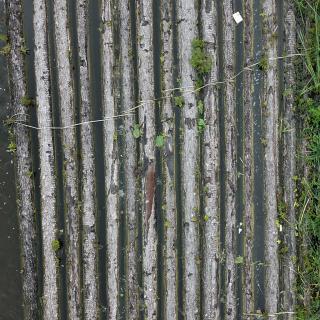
130,112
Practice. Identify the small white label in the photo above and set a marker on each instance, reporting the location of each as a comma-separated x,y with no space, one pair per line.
237,17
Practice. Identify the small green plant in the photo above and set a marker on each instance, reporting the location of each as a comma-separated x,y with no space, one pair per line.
200,61
179,101
137,131
201,125
5,50
263,63
3,37
160,141
200,107
56,245
167,224
29,173
239,260
26,101
24,50
12,147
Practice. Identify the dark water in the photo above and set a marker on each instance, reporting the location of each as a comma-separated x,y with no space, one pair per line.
10,280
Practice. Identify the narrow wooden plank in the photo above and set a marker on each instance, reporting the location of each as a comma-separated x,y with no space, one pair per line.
47,180
230,159
270,141
187,32
22,159
211,167
248,159
130,158
289,166
89,253
111,160
170,224
147,152
71,190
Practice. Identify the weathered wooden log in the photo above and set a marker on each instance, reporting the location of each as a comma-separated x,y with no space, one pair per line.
187,32
130,158
147,152
270,141
211,167
23,162
289,165
111,160
71,190
170,225
48,183
248,297
230,158
89,245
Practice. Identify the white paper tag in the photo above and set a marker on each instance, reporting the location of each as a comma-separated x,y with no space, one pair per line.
237,17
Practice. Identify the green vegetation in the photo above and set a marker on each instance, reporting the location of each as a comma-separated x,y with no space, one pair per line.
56,245
308,110
201,125
12,147
26,101
179,101
200,61
3,37
5,50
263,63
239,260
160,141
24,50
137,131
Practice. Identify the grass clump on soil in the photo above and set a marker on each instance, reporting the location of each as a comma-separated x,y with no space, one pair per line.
308,102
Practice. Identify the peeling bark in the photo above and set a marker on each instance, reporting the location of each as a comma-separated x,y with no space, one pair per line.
248,297
211,167
47,181
22,161
71,192
187,29
128,102
111,160
147,120
230,159
271,159
289,166
170,256
89,254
